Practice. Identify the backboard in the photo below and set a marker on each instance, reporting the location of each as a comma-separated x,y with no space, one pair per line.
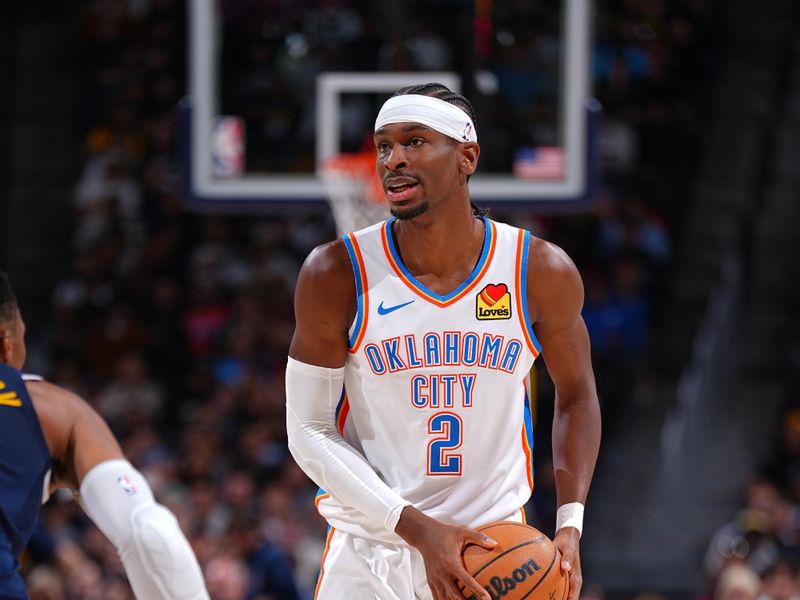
276,88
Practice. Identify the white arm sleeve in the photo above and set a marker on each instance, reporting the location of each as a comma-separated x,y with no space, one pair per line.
312,394
158,560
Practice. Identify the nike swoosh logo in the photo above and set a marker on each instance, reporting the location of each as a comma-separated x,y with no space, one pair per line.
388,309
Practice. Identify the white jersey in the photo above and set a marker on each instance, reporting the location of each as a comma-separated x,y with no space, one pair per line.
435,392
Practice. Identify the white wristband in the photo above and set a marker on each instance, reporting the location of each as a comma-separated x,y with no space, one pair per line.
570,515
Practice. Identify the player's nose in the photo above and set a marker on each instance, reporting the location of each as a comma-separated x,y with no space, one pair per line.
397,159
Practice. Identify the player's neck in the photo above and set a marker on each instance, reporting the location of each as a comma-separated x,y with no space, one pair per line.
440,244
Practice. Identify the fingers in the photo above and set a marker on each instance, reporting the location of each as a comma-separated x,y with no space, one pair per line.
575,584
572,570
447,575
479,539
472,586
458,589
567,540
566,564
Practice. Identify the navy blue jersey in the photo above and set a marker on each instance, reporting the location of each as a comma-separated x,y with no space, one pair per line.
24,464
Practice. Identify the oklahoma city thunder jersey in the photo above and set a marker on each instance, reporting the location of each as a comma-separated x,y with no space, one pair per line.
435,386
24,469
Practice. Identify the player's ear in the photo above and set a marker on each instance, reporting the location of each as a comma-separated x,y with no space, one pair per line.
5,345
470,151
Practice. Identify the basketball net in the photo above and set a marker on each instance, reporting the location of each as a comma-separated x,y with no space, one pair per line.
354,191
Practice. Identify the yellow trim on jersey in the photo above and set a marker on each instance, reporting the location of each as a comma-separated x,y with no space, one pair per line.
10,399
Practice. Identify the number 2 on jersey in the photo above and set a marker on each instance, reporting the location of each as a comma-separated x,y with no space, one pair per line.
447,428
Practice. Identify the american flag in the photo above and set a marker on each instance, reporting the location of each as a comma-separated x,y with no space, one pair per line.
541,162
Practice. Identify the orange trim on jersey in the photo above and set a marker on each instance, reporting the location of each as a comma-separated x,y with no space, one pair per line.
522,514
322,562
528,457
319,498
364,309
521,295
417,288
527,437
342,417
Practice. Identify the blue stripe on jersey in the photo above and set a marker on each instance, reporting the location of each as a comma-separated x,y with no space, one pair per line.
487,244
528,424
524,291
351,252
339,406
528,427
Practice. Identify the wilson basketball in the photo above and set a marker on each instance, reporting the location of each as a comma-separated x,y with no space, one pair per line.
524,564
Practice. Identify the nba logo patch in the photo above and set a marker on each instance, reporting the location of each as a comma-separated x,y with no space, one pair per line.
126,485
467,131
493,302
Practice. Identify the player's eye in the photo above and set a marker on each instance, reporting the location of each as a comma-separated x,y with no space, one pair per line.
415,142
382,147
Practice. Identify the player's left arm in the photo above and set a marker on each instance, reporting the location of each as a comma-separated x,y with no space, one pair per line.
555,300
86,456
78,438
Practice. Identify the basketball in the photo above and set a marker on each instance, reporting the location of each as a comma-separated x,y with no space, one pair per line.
524,564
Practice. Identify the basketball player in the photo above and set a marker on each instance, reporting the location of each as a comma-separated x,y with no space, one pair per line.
51,438
405,383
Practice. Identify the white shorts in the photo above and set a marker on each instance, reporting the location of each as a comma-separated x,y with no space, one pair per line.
355,568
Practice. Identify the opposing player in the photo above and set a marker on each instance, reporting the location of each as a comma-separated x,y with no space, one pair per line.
405,381
51,438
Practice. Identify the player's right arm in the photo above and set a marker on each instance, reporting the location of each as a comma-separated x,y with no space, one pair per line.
86,456
325,306
325,301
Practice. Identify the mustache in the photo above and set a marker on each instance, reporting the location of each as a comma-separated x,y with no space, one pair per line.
398,175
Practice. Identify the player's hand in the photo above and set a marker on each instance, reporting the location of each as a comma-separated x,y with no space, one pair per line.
567,540
441,546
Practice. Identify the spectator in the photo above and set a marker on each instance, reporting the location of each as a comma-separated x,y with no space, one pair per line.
227,578
760,534
779,583
737,582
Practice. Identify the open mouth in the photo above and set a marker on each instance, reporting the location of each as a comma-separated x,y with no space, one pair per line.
401,191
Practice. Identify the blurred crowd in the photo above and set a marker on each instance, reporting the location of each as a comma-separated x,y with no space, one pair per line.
175,326
757,553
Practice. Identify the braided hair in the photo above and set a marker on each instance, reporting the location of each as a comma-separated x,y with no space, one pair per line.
442,92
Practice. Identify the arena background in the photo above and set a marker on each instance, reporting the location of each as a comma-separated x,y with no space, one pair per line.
174,323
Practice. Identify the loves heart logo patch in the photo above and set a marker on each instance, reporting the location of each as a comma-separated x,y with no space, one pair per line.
493,302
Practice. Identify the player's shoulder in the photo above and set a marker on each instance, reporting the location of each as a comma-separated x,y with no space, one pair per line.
51,398
42,387
326,279
335,258
60,412
326,260
554,284
546,259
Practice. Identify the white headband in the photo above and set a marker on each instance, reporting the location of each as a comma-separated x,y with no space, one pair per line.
432,112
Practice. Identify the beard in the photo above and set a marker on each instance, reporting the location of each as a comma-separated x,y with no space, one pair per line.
410,213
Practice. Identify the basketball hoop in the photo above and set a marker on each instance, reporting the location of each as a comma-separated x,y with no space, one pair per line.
354,191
